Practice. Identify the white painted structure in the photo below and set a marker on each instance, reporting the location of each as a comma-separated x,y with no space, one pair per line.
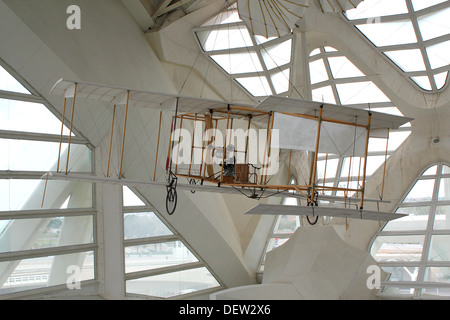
114,47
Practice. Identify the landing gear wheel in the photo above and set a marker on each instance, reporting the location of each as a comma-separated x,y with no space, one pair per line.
313,222
171,200
315,219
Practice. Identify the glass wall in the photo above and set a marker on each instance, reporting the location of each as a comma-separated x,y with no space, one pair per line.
415,250
158,262
47,233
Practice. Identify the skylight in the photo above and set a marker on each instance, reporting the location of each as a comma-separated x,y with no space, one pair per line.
413,34
335,79
262,66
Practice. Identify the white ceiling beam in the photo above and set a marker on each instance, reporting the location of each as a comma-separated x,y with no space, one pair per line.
140,13
166,7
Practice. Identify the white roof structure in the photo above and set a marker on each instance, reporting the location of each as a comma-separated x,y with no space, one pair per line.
387,58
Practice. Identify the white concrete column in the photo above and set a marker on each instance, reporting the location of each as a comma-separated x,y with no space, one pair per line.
111,268
111,263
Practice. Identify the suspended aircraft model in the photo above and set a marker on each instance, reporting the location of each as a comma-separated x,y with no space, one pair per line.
233,148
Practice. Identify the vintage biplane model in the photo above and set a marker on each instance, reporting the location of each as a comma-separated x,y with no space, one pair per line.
213,162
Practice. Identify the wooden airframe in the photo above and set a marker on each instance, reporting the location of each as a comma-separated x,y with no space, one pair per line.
211,113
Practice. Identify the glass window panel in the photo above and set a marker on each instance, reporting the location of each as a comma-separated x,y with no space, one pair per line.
396,291
257,86
442,218
277,55
286,224
315,52
422,191
444,189
236,63
407,60
445,169
47,233
281,81
262,39
329,49
225,37
373,163
423,82
9,83
26,194
377,8
438,54
398,248
389,110
229,16
416,219
436,291
144,225
275,243
329,171
351,184
389,33
396,139
377,144
430,171
25,155
435,24
341,67
422,4
130,199
173,284
439,248
324,94
402,273
157,255
318,72
290,201
360,92
438,274
326,192
42,272
28,117
352,166
441,79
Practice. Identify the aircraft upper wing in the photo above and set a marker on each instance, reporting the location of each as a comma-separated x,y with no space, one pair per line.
342,113
118,96
168,102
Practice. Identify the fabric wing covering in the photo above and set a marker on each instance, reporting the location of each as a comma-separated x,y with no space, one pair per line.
296,133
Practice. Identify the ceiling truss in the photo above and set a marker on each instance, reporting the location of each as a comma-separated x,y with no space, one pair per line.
153,14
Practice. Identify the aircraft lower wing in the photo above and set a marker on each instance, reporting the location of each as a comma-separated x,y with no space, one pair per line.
271,209
255,193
